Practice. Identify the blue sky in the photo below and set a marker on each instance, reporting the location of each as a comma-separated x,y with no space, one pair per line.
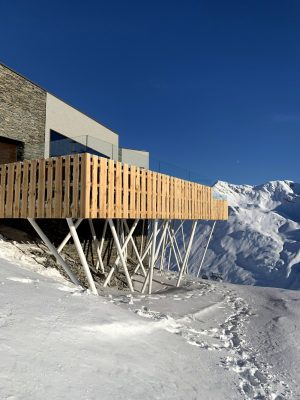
212,86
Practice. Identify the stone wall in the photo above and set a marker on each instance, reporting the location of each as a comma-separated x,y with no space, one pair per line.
22,112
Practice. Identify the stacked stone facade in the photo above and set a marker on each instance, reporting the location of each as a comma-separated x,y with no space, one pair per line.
22,113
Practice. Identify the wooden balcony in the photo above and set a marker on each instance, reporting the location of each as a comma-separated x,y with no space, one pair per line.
88,186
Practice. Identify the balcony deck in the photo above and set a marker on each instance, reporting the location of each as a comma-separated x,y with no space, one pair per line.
88,186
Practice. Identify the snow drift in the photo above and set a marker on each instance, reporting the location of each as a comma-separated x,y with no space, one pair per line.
260,243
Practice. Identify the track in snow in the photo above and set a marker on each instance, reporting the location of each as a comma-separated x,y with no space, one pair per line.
227,336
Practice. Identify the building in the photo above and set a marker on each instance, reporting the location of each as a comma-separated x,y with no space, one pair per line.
57,164
36,124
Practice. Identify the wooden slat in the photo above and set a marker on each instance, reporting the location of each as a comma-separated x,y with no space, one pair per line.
2,189
143,194
111,189
17,191
125,191
138,193
41,189
103,188
132,192
85,186
24,186
118,184
94,185
32,190
67,187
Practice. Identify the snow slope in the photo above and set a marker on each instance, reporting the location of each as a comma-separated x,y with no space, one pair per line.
260,243
206,340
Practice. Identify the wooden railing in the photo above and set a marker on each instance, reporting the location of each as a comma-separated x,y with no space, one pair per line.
86,186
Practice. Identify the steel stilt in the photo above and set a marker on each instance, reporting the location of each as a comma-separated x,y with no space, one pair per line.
206,247
54,251
82,256
68,237
120,252
187,253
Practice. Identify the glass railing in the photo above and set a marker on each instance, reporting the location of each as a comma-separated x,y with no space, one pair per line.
89,144
179,172
83,144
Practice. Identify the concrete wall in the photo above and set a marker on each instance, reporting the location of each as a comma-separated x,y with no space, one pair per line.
134,157
22,112
71,123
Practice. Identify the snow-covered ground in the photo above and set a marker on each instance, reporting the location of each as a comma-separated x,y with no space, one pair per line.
206,340
260,243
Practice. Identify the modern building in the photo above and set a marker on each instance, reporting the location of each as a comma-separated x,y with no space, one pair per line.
36,124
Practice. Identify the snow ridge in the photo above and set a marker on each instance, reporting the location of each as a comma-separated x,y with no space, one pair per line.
260,243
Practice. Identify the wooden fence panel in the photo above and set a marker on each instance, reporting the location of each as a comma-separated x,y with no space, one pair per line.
87,186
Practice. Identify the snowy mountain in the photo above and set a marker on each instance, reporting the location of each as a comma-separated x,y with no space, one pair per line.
260,243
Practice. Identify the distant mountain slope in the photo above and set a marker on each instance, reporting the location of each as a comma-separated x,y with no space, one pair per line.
260,243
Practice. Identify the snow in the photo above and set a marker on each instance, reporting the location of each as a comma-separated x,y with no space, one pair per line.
260,243
207,339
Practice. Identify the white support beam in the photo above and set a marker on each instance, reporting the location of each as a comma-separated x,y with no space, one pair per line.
187,253
177,230
68,237
100,261
142,239
173,248
183,236
153,254
121,252
206,247
176,244
96,245
82,256
54,251
135,248
163,236
147,249
162,257
112,270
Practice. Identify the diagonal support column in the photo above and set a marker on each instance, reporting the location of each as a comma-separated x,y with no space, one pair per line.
100,261
206,247
118,258
121,253
54,251
112,270
147,249
68,237
135,248
82,256
187,253
96,245
164,233
173,248
153,254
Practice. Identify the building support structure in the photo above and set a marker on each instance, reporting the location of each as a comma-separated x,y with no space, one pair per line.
167,246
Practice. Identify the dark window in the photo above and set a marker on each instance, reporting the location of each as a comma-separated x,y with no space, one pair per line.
10,150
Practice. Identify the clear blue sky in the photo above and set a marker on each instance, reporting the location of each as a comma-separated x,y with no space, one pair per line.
211,85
